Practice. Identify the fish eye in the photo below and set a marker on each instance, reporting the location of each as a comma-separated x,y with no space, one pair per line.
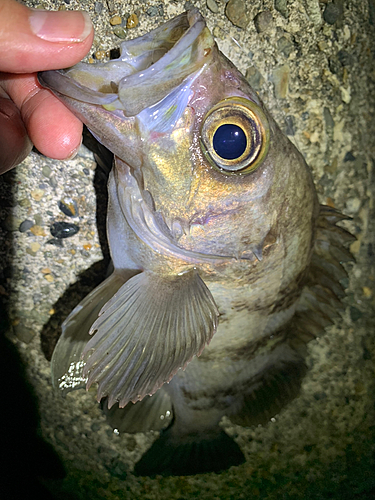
235,136
229,141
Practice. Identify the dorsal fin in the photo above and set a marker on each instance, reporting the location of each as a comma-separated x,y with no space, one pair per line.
320,301
317,307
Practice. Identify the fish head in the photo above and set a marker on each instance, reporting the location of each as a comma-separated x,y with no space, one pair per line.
203,173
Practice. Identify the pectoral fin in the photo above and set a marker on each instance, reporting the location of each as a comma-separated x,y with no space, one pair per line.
151,327
66,363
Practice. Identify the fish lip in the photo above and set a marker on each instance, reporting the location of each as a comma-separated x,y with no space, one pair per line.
60,83
135,67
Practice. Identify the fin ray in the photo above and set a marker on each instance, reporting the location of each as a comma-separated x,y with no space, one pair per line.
66,363
152,413
144,334
175,455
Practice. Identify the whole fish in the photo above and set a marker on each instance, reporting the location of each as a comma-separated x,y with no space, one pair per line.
225,265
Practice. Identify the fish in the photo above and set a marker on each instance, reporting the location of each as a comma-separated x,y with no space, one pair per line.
225,265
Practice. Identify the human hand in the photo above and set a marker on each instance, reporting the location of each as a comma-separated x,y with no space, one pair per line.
33,40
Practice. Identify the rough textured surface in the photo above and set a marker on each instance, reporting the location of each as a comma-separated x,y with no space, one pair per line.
317,77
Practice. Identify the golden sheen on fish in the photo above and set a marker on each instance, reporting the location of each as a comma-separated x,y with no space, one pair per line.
225,265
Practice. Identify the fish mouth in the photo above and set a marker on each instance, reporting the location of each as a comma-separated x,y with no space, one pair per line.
148,69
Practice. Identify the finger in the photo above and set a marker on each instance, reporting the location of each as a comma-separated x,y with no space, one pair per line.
15,144
53,129
34,40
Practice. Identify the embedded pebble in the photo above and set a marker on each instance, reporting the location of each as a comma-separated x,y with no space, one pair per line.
345,95
23,333
152,11
37,194
281,6
53,182
349,156
280,78
115,20
35,247
218,33
236,12
332,167
331,13
290,125
98,7
25,225
212,5
334,65
263,21
62,230
345,58
111,5
100,54
120,32
46,171
323,45
12,223
355,313
37,230
56,242
132,21
30,251
38,219
367,292
320,395
254,77
68,207
328,118
25,203
285,46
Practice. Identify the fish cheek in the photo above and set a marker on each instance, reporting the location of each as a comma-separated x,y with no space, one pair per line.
167,173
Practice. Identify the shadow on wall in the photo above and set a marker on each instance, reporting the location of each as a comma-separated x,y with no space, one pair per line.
27,458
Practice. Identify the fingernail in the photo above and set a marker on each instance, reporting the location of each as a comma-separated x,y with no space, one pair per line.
60,26
75,151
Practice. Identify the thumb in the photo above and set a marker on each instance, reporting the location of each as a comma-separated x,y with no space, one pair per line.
34,40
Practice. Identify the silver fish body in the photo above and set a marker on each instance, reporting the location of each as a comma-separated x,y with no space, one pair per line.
225,265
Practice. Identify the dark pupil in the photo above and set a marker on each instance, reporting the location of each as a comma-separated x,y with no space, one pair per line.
229,141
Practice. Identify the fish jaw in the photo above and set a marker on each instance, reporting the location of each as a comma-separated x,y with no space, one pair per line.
108,96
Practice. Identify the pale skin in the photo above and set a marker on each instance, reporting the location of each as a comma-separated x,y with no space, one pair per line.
32,41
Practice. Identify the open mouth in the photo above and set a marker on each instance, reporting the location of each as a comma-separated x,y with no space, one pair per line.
148,69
